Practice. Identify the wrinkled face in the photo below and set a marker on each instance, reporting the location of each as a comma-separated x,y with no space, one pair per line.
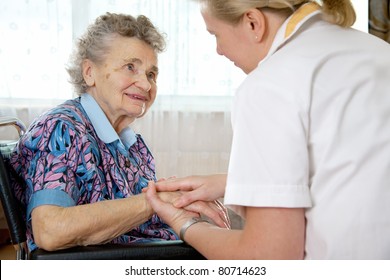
232,41
124,84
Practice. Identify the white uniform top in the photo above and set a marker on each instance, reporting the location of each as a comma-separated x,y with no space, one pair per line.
312,129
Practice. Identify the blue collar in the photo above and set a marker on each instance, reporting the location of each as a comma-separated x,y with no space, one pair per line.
102,126
128,137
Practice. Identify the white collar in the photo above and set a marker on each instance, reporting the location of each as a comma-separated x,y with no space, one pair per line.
292,25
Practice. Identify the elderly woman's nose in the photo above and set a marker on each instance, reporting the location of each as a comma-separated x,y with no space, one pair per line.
143,82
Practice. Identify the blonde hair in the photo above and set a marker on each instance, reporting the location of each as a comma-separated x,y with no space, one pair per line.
97,40
340,12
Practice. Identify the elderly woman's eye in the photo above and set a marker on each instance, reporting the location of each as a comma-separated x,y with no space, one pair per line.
130,67
152,76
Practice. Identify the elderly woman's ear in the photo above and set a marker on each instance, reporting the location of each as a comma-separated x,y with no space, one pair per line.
88,72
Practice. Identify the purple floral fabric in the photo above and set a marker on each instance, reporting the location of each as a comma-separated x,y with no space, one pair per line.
61,151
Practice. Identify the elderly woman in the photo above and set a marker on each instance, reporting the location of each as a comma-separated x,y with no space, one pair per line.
83,165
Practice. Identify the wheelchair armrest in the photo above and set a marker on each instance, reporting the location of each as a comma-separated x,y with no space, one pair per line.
160,250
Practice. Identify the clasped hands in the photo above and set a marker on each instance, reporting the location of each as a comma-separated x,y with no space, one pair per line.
195,196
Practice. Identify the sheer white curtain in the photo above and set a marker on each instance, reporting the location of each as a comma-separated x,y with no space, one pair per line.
36,37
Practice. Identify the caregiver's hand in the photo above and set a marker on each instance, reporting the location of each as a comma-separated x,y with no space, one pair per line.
197,188
214,210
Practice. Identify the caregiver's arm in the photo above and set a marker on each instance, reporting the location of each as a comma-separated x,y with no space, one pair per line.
269,233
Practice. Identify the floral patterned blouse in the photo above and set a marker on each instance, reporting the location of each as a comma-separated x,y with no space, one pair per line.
71,155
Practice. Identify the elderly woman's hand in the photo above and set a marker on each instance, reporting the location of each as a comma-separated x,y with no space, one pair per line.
162,203
194,188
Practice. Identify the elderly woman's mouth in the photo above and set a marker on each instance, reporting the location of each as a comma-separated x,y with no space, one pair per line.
137,97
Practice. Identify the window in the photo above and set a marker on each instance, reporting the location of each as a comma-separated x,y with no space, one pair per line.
37,40
40,34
